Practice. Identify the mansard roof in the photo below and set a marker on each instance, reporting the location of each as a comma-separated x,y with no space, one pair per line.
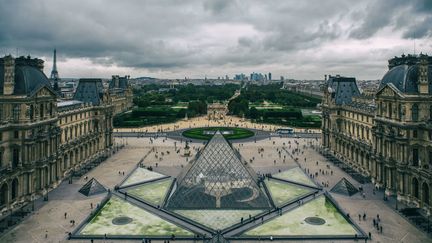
342,89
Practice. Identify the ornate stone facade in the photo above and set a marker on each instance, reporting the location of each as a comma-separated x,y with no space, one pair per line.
386,136
43,140
216,111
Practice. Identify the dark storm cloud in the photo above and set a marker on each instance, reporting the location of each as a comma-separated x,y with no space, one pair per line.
198,36
397,13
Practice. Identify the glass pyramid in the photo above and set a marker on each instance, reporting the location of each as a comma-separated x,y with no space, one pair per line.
344,187
92,187
218,178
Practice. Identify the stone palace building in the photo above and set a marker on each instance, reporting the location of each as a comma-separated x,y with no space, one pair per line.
387,135
43,139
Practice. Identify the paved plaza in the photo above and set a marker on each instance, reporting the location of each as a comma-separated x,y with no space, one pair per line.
50,224
202,121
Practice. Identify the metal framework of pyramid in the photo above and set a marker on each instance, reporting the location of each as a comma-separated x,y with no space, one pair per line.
344,187
218,178
92,187
218,238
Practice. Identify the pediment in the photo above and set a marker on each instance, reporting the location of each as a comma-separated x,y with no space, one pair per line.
389,90
44,91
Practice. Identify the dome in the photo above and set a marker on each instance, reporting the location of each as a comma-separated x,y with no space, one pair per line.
28,77
405,78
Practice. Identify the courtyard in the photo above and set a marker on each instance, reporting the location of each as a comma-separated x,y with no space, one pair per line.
52,221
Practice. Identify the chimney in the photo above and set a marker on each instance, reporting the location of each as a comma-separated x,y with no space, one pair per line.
9,75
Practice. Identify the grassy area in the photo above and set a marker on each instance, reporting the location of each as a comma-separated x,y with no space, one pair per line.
237,133
293,222
152,192
282,192
143,222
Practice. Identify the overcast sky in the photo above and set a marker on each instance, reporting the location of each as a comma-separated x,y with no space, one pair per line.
302,39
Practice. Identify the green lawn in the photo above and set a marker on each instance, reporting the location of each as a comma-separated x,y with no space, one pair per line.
198,133
143,222
152,192
293,223
283,192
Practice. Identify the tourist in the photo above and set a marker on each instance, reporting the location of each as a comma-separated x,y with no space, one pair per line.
65,215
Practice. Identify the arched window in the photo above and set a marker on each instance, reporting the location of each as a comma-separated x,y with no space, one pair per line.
415,112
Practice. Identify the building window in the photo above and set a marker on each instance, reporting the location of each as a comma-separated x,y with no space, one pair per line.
430,113
16,112
415,134
15,158
430,159
16,134
51,109
41,111
415,155
414,112
31,111
400,113
390,110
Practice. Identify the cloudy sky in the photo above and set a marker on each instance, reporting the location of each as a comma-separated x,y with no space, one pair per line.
302,39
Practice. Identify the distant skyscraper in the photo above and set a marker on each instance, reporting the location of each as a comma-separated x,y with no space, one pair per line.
269,76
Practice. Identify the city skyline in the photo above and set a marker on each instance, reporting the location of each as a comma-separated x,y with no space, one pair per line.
173,39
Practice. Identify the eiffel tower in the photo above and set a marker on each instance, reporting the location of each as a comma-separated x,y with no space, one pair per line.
54,73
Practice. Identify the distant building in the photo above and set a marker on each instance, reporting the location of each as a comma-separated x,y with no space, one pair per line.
386,136
240,77
269,76
44,140
257,77
121,94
